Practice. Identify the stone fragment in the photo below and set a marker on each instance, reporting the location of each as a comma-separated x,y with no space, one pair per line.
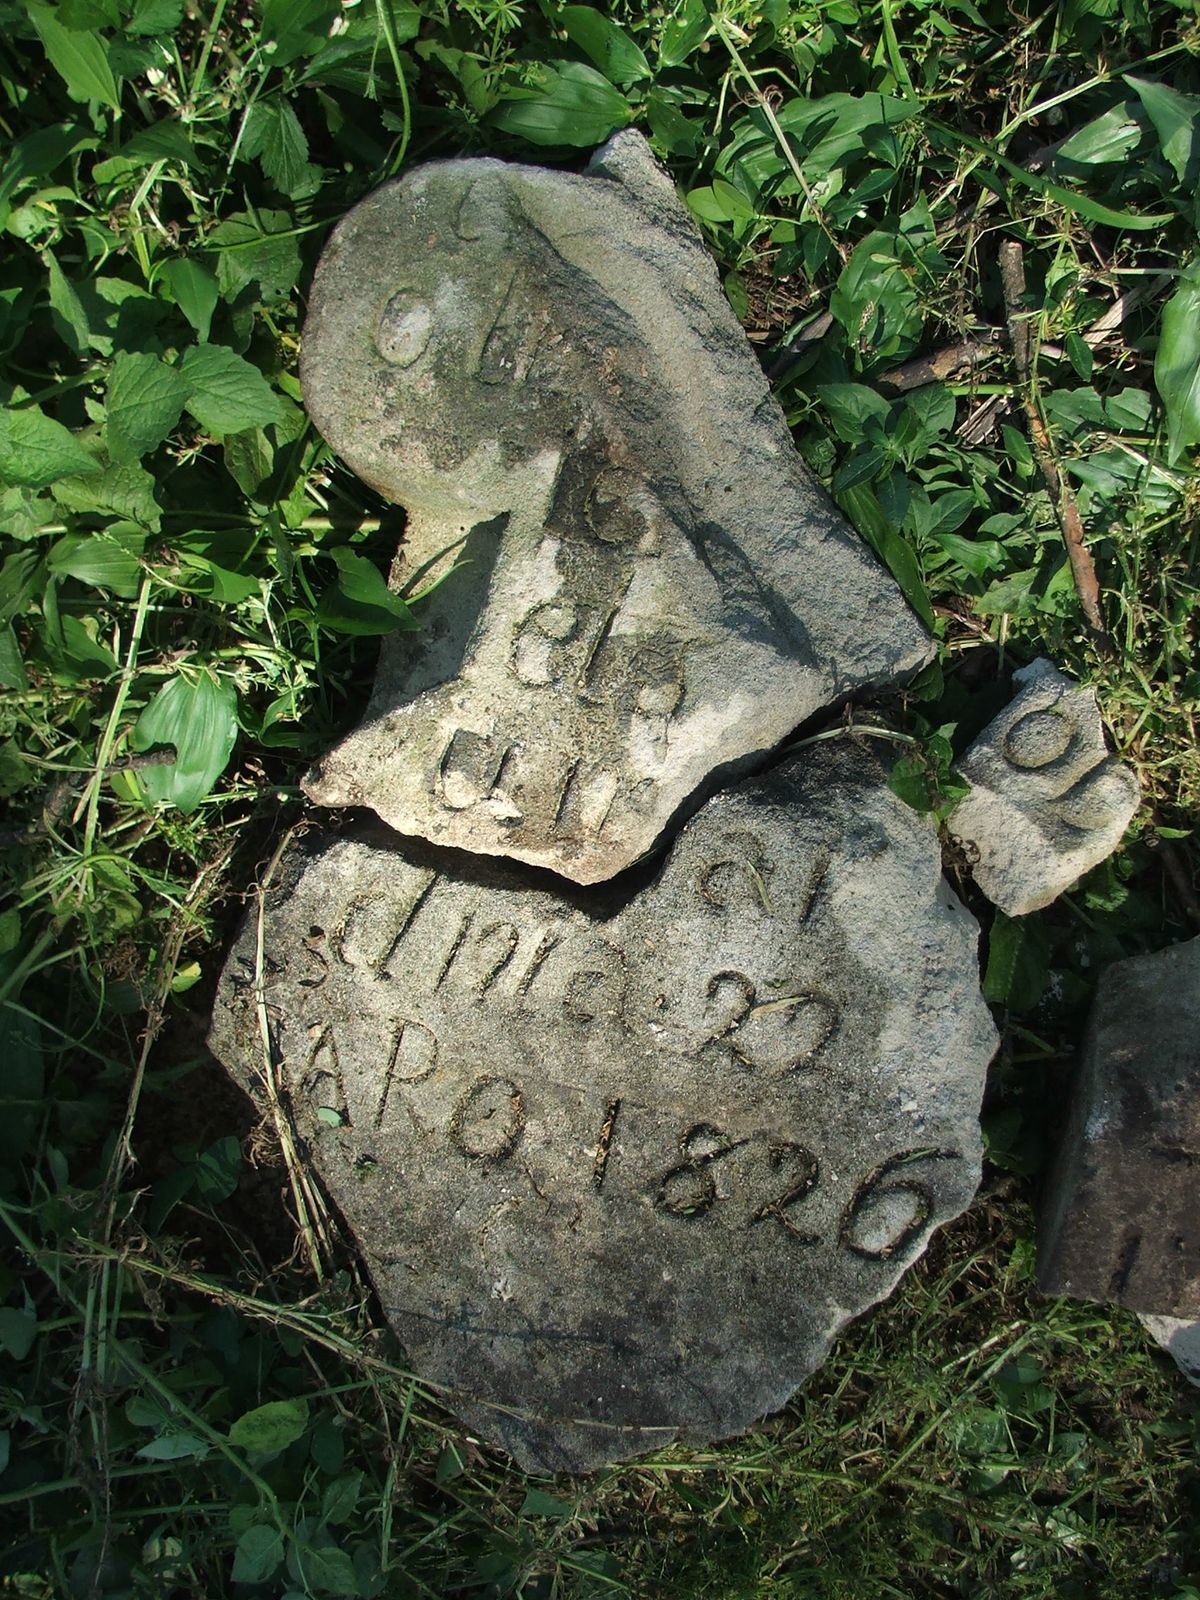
1120,1218
1047,802
1179,1338
542,367
622,1167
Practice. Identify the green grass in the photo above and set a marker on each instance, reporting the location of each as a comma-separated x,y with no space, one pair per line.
185,564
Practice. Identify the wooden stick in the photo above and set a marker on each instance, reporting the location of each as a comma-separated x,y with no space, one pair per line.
1087,586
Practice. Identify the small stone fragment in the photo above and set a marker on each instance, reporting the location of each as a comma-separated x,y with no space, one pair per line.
542,367
1179,1338
1120,1219
1047,802
622,1169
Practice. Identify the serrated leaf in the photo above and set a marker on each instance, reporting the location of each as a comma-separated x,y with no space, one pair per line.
123,490
225,393
260,250
607,45
144,402
271,1427
80,59
360,601
108,561
36,451
195,292
1175,117
1177,364
570,104
258,1554
198,716
155,18
274,136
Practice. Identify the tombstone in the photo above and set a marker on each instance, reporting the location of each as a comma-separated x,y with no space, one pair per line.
622,1163
542,367
1120,1220
1047,802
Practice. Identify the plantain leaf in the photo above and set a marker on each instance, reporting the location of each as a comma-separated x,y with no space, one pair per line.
199,717
1177,364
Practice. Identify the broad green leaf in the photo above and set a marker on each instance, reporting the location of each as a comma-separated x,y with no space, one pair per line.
144,402
1176,118
570,105
274,136
66,309
862,506
258,1554
155,18
1177,364
324,1569
341,1497
174,1446
80,59
36,451
195,291
124,490
270,1428
109,561
260,250
224,392
294,28
604,43
360,601
1108,137
164,141
1017,964
37,155
217,1170
199,717
537,1503
18,1330
685,30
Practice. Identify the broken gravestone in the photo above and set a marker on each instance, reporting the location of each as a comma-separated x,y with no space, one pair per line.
1047,802
542,367
1120,1220
621,1175
1180,1338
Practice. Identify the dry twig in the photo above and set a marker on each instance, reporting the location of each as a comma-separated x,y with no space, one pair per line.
1012,278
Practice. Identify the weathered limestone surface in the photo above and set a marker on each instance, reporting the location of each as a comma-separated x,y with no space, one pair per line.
622,1176
1179,1338
1120,1217
543,368
1048,802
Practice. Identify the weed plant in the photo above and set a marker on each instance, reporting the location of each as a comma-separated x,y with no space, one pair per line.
196,1403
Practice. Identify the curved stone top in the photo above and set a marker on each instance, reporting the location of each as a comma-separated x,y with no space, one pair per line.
621,1178
543,368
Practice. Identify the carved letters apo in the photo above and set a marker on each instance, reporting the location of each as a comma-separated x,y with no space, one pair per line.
621,1173
543,368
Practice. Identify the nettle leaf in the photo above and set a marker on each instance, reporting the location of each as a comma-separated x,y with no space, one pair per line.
79,58
274,136
570,104
270,1428
124,490
36,451
1177,364
144,402
199,717
610,47
260,250
1176,118
225,393
195,291
359,601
